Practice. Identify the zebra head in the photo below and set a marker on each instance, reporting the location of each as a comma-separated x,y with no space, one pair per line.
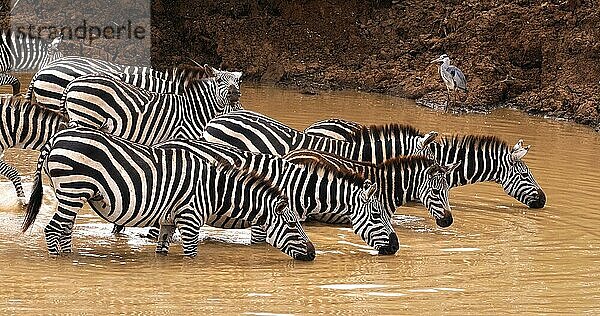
285,232
228,84
371,222
53,53
433,193
517,181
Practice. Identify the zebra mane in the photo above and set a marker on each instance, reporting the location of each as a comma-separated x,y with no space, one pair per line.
473,141
19,103
407,161
384,131
186,75
242,174
322,165
15,102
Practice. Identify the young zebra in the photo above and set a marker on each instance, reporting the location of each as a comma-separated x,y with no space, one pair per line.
24,125
136,185
484,158
401,179
49,83
255,132
19,52
316,191
101,101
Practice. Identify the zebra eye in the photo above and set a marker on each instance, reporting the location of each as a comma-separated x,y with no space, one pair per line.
292,224
435,191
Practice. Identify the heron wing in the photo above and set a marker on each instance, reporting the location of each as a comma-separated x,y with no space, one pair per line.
459,78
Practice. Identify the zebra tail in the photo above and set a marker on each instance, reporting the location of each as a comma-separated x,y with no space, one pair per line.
63,101
35,200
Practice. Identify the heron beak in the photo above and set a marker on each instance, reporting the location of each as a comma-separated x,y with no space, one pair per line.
437,60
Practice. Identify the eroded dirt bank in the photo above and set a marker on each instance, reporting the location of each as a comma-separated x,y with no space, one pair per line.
541,56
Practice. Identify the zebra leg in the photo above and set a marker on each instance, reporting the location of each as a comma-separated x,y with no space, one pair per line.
258,235
153,233
117,229
13,175
189,222
164,238
59,230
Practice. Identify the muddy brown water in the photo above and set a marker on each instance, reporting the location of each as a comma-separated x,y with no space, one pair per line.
497,257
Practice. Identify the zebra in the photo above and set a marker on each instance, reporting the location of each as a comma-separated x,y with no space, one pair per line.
135,185
101,101
48,84
24,125
255,132
334,128
401,179
316,192
484,158
20,52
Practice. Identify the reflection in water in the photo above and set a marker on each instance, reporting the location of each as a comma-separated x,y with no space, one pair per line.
498,256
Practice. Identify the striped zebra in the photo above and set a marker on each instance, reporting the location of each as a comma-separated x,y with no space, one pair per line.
24,125
334,128
255,132
49,83
401,179
119,108
20,52
135,185
315,191
484,158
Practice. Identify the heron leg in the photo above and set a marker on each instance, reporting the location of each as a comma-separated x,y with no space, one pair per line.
447,99
455,96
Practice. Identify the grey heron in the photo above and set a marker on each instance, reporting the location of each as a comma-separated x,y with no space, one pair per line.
454,79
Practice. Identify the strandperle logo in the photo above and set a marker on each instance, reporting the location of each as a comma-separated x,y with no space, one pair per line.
90,32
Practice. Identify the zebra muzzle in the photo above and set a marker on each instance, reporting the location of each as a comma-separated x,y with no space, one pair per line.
539,201
445,221
392,247
310,253
234,94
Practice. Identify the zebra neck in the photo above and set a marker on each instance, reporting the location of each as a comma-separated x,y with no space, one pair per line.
36,126
8,130
341,148
398,185
201,100
235,198
478,163
378,148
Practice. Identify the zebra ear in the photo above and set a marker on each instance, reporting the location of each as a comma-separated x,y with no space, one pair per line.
519,151
426,139
369,189
434,169
449,168
209,71
281,206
